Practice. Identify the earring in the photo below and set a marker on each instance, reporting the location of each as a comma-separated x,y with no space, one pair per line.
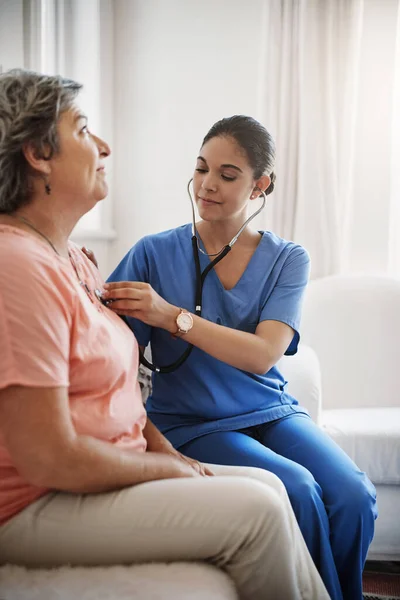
47,187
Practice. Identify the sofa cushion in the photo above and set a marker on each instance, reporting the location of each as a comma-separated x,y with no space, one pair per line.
156,581
371,437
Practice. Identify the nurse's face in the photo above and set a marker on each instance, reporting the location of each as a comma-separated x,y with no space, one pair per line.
223,180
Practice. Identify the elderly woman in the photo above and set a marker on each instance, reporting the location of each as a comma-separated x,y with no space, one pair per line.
85,478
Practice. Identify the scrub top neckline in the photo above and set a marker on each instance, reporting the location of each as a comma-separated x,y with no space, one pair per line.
248,266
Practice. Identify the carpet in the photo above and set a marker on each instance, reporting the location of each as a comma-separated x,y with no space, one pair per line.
381,581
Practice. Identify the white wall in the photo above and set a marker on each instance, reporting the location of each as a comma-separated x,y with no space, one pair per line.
11,34
180,65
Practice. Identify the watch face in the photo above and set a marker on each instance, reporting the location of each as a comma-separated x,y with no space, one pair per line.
184,321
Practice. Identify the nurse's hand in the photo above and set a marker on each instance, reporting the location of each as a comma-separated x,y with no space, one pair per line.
90,255
141,301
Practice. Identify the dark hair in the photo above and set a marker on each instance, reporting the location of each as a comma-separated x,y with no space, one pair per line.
30,107
254,140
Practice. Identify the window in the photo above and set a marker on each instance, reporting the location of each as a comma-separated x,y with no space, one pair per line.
71,38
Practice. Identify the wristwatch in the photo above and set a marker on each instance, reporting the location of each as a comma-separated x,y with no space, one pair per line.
184,322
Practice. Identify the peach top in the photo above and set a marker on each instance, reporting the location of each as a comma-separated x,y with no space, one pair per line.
55,333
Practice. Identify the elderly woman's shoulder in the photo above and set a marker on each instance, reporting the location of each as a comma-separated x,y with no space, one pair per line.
25,255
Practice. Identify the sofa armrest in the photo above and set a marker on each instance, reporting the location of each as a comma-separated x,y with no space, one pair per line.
303,374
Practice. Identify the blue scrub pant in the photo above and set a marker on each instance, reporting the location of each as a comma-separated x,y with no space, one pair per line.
334,502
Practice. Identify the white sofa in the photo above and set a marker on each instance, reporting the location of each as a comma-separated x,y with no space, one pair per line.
353,324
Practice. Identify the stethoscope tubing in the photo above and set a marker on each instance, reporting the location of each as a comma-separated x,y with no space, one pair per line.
200,277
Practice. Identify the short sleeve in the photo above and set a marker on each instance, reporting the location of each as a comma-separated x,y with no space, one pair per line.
285,301
135,267
36,308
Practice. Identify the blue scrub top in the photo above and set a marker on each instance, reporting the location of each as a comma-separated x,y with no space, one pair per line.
206,395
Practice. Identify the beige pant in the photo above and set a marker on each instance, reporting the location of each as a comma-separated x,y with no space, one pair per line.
242,523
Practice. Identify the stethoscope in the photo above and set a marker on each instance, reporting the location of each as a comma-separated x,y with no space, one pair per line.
200,277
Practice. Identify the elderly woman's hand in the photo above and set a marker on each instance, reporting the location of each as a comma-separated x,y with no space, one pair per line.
157,442
141,301
199,467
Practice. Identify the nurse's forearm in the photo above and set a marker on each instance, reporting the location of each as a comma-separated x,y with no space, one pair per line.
255,353
245,351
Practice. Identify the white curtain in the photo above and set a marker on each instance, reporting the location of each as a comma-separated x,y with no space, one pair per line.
328,110
394,217
74,38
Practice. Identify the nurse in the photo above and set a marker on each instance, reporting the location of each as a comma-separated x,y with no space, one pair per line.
227,403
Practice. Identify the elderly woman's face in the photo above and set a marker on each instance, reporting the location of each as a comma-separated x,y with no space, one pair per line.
78,169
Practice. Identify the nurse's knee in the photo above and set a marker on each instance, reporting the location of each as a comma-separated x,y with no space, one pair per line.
302,488
357,497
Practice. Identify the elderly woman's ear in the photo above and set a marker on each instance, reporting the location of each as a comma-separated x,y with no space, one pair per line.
37,158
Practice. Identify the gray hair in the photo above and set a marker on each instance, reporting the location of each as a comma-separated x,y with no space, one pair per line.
30,107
